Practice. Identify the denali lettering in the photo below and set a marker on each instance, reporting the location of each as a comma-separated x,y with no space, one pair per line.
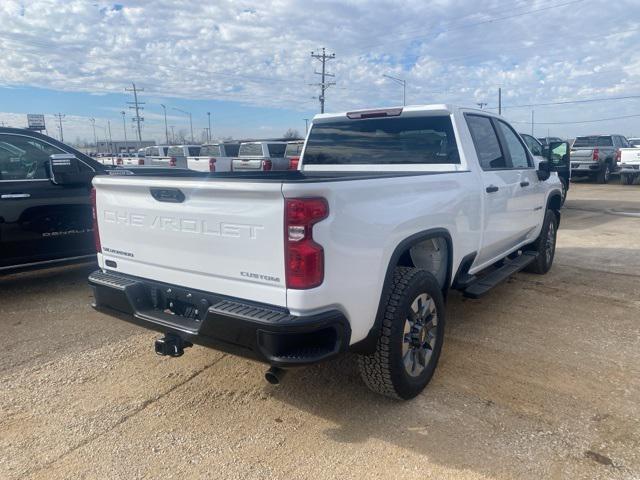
185,225
268,278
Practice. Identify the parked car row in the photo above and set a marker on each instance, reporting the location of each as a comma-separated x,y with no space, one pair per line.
253,156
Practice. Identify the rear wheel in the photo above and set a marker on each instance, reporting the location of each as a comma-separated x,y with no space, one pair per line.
604,174
545,245
410,339
627,179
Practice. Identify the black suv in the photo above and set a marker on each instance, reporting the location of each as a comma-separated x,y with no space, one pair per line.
43,220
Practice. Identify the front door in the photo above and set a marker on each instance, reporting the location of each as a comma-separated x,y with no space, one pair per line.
39,220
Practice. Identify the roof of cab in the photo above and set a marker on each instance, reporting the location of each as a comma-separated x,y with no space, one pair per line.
407,110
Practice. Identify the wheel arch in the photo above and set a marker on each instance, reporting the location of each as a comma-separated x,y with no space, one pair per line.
554,203
401,256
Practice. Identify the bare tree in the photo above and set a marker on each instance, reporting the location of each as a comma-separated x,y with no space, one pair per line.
291,134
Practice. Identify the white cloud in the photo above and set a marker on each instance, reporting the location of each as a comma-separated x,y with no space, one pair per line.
257,53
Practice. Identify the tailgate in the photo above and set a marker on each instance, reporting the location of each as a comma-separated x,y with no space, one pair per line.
582,154
240,164
224,237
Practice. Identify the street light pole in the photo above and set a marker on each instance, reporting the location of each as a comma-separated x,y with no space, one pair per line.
306,126
402,82
190,122
209,132
166,130
124,126
95,138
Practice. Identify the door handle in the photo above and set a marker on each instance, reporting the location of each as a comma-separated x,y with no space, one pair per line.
15,195
492,189
524,184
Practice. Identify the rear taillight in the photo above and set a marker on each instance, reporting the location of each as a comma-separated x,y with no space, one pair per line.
618,155
596,154
212,164
173,161
141,161
94,216
293,163
303,256
267,165
118,161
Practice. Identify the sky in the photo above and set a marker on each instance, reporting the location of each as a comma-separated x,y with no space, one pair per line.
249,63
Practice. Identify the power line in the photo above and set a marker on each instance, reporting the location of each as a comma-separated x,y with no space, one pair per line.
582,121
135,105
323,58
568,102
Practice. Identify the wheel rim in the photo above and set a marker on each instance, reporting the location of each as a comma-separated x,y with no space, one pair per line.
563,192
607,171
420,334
551,242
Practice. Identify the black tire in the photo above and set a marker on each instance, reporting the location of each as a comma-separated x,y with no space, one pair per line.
604,173
565,189
384,371
542,264
627,179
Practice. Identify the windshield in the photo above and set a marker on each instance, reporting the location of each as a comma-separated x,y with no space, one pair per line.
250,150
411,140
593,141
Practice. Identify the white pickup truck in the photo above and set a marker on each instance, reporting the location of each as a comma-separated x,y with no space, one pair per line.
215,157
629,165
356,251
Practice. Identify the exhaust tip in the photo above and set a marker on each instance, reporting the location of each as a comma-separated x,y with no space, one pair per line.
274,375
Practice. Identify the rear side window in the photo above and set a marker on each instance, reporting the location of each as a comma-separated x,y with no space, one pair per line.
383,141
486,142
231,149
277,149
594,141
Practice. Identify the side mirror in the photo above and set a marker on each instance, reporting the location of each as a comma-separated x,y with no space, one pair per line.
66,169
544,170
558,155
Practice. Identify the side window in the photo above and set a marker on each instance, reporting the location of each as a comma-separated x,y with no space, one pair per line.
486,142
625,142
519,157
24,158
277,149
533,145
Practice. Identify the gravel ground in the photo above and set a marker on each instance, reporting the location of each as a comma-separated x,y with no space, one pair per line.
539,379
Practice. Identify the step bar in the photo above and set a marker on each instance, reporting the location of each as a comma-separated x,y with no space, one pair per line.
482,285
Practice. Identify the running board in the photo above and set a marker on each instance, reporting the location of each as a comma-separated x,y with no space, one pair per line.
482,285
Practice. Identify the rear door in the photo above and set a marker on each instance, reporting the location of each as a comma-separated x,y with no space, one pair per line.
39,221
501,226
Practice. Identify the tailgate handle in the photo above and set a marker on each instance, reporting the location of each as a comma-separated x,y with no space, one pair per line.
171,195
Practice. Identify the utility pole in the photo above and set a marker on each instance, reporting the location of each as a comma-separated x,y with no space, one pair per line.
306,126
532,122
95,138
402,82
110,137
481,104
60,116
190,122
135,105
209,118
166,130
124,126
499,101
173,134
323,57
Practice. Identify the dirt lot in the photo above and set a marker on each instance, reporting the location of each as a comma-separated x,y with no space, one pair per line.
540,379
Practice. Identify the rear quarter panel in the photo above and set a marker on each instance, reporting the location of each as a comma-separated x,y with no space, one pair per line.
368,219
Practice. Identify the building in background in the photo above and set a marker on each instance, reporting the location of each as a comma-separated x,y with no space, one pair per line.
122,147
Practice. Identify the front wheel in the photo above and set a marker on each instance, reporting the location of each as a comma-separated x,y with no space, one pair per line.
545,245
410,338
